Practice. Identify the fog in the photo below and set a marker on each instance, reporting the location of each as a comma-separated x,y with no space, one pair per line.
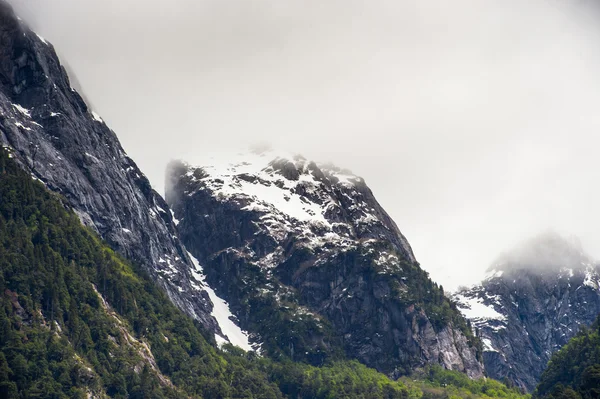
475,122
547,252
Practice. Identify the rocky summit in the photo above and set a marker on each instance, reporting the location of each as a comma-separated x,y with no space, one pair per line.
313,267
534,299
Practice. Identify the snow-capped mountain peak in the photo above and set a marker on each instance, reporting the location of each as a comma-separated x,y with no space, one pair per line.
531,302
306,258
278,181
320,203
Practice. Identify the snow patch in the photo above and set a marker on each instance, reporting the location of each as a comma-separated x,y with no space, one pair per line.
474,308
236,336
566,271
494,274
22,110
97,117
19,124
42,39
487,345
175,220
591,279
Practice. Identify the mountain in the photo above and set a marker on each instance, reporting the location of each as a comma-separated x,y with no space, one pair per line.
313,267
535,298
79,321
574,371
55,136
99,298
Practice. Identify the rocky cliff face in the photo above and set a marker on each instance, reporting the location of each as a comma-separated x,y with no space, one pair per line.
534,300
55,136
312,265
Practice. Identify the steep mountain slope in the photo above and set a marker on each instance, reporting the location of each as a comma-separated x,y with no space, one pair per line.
574,371
60,141
535,299
76,319
313,266
79,321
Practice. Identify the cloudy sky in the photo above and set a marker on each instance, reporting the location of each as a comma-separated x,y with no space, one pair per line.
475,122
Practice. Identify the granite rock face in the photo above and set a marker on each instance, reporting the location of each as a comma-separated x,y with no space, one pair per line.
53,134
312,265
533,301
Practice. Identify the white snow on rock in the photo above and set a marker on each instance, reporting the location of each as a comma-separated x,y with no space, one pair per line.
42,39
269,189
175,220
22,110
20,125
235,335
591,278
493,274
568,271
314,207
304,204
475,309
97,117
487,345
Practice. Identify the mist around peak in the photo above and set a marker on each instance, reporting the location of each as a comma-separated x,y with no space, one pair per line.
546,252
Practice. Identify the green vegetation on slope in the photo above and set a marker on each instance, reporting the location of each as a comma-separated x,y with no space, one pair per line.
425,294
77,319
351,379
57,337
574,371
438,383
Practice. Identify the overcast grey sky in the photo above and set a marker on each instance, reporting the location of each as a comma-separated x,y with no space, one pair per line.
475,122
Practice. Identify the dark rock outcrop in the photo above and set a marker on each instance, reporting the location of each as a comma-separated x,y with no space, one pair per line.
534,300
313,267
55,136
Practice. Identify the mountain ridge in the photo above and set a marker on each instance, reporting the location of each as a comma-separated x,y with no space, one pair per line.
322,260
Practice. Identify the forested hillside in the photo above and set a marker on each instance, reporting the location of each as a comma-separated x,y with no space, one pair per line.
574,371
78,320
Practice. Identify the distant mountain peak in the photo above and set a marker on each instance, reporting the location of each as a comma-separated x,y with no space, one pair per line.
533,299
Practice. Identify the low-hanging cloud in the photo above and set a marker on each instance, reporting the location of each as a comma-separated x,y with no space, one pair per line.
548,252
475,122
